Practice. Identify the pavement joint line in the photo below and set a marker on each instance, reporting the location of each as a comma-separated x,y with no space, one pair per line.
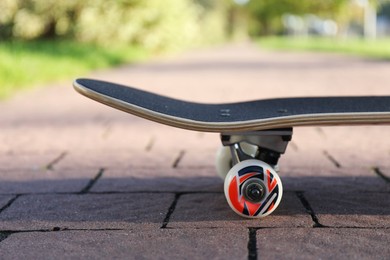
92,182
50,165
146,192
171,210
252,244
134,167
107,130
320,131
332,159
376,192
178,159
294,146
142,192
150,144
309,209
357,227
378,172
251,229
323,227
59,229
4,234
112,192
200,135
10,202
154,192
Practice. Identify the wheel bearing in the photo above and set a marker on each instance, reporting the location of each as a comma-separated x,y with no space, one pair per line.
254,190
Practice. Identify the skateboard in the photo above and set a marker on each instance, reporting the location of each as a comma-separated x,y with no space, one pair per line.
254,134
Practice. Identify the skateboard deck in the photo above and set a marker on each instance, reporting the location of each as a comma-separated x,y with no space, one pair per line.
254,134
242,116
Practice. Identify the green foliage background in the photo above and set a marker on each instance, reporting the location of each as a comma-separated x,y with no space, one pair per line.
46,40
153,24
265,15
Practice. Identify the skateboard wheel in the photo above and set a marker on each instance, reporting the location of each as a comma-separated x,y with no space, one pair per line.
253,189
223,162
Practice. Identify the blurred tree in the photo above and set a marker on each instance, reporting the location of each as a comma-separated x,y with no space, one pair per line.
266,14
8,9
154,24
384,9
29,19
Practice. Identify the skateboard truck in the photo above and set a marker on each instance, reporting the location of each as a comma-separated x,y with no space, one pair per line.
248,162
270,144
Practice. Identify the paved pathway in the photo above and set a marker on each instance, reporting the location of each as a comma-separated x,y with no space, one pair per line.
81,180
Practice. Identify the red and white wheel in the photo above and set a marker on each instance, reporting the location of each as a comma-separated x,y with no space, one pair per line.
253,189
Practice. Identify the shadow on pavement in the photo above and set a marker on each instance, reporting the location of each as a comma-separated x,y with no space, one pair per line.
120,202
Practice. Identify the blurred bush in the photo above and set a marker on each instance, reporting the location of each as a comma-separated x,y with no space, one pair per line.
154,24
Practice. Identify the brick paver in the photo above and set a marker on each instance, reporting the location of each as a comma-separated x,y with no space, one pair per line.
323,243
128,244
86,211
21,181
81,180
211,211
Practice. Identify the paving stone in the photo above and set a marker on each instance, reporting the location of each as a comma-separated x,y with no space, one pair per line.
159,179
362,146
350,209
351,180
212,210
305,151
190,141
44,181
323,243
101,211
45,139
199,158
42,107
117,159
128,244
28,161
89,132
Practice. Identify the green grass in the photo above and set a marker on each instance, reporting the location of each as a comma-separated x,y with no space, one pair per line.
378,49
28,64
